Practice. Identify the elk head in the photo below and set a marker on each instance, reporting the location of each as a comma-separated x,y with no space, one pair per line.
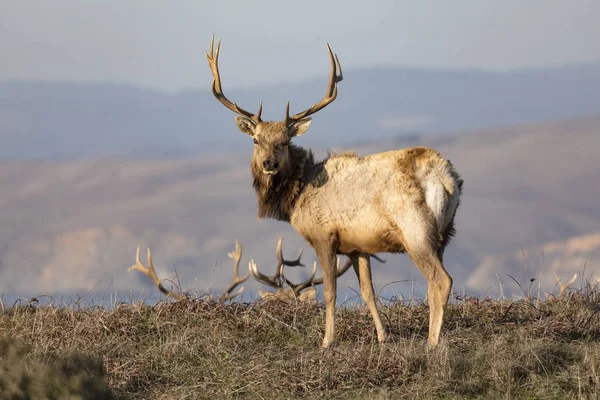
272,138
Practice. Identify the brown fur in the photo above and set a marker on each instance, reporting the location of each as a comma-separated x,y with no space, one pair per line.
277,195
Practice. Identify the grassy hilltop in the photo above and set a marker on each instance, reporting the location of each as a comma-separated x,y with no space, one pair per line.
202,349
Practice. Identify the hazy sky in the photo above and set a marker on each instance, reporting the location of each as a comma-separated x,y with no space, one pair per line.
161,43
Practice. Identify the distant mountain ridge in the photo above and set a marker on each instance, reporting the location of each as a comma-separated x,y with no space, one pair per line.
46,120
73,226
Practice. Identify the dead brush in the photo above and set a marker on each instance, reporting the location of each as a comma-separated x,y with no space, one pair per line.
201,349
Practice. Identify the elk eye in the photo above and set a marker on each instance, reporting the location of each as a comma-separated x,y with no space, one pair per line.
255,141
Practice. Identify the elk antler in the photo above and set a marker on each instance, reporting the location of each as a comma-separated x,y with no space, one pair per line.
213,62
149,271
341,271
330,95
293,290
278,282
564,286
282,261
236,255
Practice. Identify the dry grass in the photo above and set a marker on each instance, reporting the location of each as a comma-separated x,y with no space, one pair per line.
201,349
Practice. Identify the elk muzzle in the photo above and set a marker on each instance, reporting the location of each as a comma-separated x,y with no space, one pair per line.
269,167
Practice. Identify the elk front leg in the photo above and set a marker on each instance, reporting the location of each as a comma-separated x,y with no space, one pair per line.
362,268
327,260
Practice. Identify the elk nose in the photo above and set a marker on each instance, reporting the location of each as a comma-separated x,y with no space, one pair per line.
270,165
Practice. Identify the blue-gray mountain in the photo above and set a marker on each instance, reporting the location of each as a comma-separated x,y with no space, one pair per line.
530,204
74,120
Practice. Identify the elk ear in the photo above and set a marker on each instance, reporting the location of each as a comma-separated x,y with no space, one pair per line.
246,125
299,127
266,295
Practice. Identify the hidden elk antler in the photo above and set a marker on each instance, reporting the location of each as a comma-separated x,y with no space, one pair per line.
236,255
279,281
151,273
287,290
564,286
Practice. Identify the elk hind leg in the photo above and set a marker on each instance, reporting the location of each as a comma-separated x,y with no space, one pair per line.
362,267
438,290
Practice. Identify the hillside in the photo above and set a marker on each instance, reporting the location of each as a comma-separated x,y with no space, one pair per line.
73,226
76,120
200,349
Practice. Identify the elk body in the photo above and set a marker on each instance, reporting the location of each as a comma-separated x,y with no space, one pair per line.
397,201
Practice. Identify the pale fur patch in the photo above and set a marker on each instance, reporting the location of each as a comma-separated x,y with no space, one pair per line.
441,193
436,199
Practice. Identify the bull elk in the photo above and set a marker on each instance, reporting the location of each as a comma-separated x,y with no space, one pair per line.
397,201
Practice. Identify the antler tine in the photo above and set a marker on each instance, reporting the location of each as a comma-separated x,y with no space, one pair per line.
231,296
276,281
272,281
564,286
282,261
236,255
151,273
213,63
377,258
339,271
335,77
342,270
297,288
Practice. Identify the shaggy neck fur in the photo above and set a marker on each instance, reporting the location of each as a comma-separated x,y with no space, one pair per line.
277,194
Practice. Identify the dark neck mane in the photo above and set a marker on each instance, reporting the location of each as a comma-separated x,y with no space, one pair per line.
277,194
